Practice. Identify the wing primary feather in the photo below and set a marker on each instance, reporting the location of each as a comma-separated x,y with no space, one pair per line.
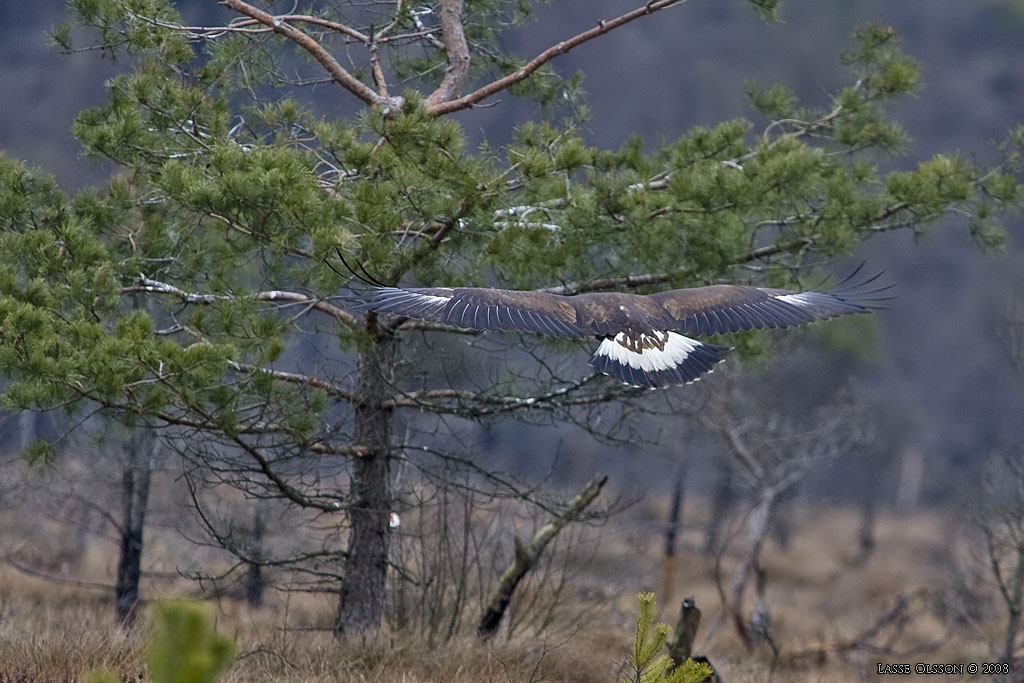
450,315
417,308
391,303
462,318
747,322
721,324
541,323
848,278
764,316
790,314
735,319
553,325
787,314
707,322
549,327
563,328
712,319
531,323
522,319
456,313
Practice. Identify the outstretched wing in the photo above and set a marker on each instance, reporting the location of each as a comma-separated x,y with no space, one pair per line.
638,344
478,308
730,308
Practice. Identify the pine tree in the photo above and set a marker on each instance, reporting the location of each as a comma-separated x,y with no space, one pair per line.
238,182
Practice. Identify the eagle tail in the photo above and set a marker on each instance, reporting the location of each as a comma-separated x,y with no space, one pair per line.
681,360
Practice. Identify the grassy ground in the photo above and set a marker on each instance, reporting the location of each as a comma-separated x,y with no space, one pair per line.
818,591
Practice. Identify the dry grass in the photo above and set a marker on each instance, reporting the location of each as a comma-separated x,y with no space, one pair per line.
816,590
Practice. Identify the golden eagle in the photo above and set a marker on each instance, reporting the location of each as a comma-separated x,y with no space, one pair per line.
643,337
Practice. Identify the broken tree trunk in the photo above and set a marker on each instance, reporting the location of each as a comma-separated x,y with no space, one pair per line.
526,556
680,645
671,532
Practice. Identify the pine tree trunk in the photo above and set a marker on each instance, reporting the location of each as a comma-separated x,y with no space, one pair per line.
135,478
361,603
254,581
28,428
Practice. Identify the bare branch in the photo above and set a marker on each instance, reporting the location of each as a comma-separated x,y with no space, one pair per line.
544,57
478,404
309,19
145,284
603,283
723,424
298,378
526,556
458,54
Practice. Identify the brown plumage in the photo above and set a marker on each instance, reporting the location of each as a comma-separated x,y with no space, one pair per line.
640,344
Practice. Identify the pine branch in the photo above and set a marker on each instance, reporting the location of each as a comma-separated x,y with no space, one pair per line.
338,73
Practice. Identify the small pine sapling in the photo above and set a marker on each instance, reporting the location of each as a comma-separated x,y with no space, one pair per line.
646,665
183,647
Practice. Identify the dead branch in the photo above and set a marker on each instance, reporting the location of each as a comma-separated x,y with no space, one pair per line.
297,378
145,284
757,529
526,556
722,423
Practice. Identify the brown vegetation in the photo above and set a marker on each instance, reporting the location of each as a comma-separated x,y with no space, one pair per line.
823,599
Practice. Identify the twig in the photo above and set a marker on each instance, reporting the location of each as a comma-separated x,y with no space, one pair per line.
57,579
340,75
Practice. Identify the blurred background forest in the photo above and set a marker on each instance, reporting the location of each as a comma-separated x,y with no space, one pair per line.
928,405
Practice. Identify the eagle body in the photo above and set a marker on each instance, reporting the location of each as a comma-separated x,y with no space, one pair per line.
645,339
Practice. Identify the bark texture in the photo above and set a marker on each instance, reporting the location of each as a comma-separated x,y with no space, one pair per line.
135,479
361,603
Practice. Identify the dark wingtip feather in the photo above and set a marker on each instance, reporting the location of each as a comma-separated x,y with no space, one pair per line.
860,292
361,275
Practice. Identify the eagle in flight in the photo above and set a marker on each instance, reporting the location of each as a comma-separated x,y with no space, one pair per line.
644,338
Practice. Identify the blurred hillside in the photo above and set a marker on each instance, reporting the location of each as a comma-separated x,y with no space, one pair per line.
940,369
